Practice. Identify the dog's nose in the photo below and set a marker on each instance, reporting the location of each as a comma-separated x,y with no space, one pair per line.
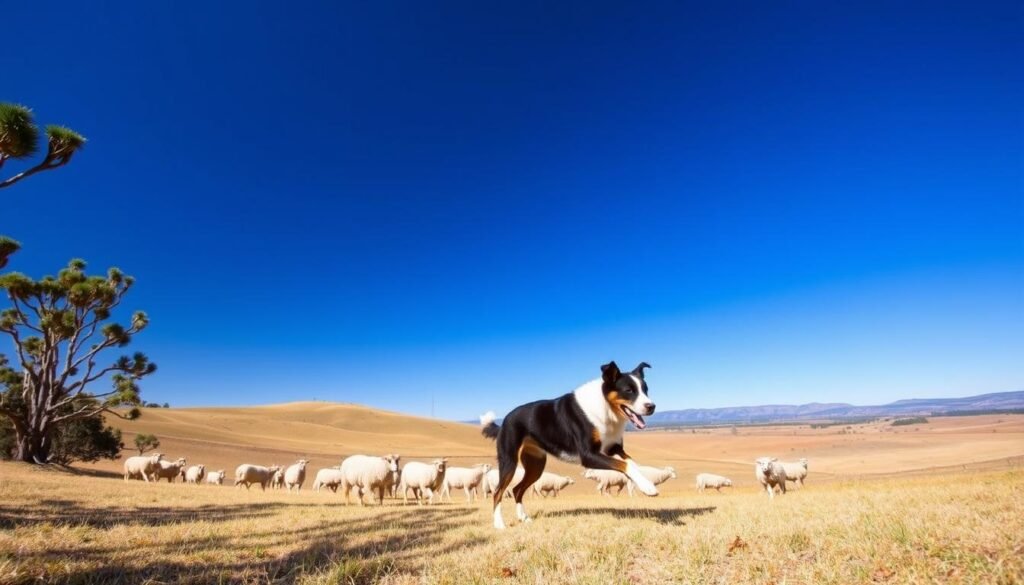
650,409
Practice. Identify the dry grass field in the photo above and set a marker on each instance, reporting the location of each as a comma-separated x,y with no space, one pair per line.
939,502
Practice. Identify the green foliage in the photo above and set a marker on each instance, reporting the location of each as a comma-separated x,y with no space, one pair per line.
146,442
916,420
7,248
19,138
19,135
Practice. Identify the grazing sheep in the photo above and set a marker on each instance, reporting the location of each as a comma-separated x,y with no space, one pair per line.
195,473
277,480
139,466
770,473
169,471
422,478
657,475
710,480
796,471
295,475
249,474
607,479
490,482
215,477
551,483
466,478
368,474
329,478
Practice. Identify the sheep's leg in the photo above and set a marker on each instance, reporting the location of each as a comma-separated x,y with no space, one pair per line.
469,496
771,491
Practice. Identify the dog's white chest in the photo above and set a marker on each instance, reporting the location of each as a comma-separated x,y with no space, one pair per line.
608,424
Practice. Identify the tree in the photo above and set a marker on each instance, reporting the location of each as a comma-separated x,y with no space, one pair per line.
145,442
87,440
19,139
59,327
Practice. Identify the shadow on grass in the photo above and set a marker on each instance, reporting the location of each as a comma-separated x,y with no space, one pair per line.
360,549
660,515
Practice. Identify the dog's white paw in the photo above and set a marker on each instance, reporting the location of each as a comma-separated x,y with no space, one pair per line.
648,490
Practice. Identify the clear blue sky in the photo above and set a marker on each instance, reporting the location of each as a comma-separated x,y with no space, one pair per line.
385,202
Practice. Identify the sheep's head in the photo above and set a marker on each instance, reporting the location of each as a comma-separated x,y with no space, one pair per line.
588,473
570,480
274,469
803,461
302,463
727,482
486,467
392,461
201,467
180,462
764,464
440,464
156,457
671,472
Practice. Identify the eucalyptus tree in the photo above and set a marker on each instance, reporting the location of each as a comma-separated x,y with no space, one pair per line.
19,139
61,328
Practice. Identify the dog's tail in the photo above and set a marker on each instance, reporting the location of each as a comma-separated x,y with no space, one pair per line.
488,427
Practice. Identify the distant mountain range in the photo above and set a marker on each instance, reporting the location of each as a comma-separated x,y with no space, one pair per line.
999,401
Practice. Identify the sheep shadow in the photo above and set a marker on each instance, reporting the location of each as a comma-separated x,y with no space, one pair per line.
362,549
659,515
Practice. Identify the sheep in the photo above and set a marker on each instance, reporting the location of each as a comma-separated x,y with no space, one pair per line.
422,477
368,474
295,475
145,467
169,471
607,479
329,477
710,480
215,477
490,482
249,474
796,471
467,478
770,473
277,480
195,474
657,475
551,483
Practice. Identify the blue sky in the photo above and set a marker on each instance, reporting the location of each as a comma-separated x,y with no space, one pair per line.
477,204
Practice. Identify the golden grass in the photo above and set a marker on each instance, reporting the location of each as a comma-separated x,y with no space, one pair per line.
954,528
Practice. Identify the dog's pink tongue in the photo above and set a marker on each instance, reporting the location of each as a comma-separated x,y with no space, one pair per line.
636,420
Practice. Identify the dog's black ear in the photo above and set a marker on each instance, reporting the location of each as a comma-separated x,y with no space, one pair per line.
639,370
610,372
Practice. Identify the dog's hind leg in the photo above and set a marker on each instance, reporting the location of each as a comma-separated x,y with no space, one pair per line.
533,460
509,443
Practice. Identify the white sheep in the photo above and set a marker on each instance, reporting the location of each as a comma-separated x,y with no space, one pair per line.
607,479
169,471
422,479
142,466
195,474
710,480
551,483
277,480
215,477
796,471
329,477
295,475
657,475
465,478
248,474
770,473
368,474
490,482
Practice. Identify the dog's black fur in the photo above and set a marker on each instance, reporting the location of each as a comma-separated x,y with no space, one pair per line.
562,428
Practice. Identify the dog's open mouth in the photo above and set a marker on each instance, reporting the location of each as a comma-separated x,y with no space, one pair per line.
636,419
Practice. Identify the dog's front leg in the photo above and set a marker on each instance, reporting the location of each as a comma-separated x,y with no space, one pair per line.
633,471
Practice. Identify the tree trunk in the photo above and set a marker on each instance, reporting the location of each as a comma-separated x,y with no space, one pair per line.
33,448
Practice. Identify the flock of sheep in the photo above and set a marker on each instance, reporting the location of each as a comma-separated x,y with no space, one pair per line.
380,476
